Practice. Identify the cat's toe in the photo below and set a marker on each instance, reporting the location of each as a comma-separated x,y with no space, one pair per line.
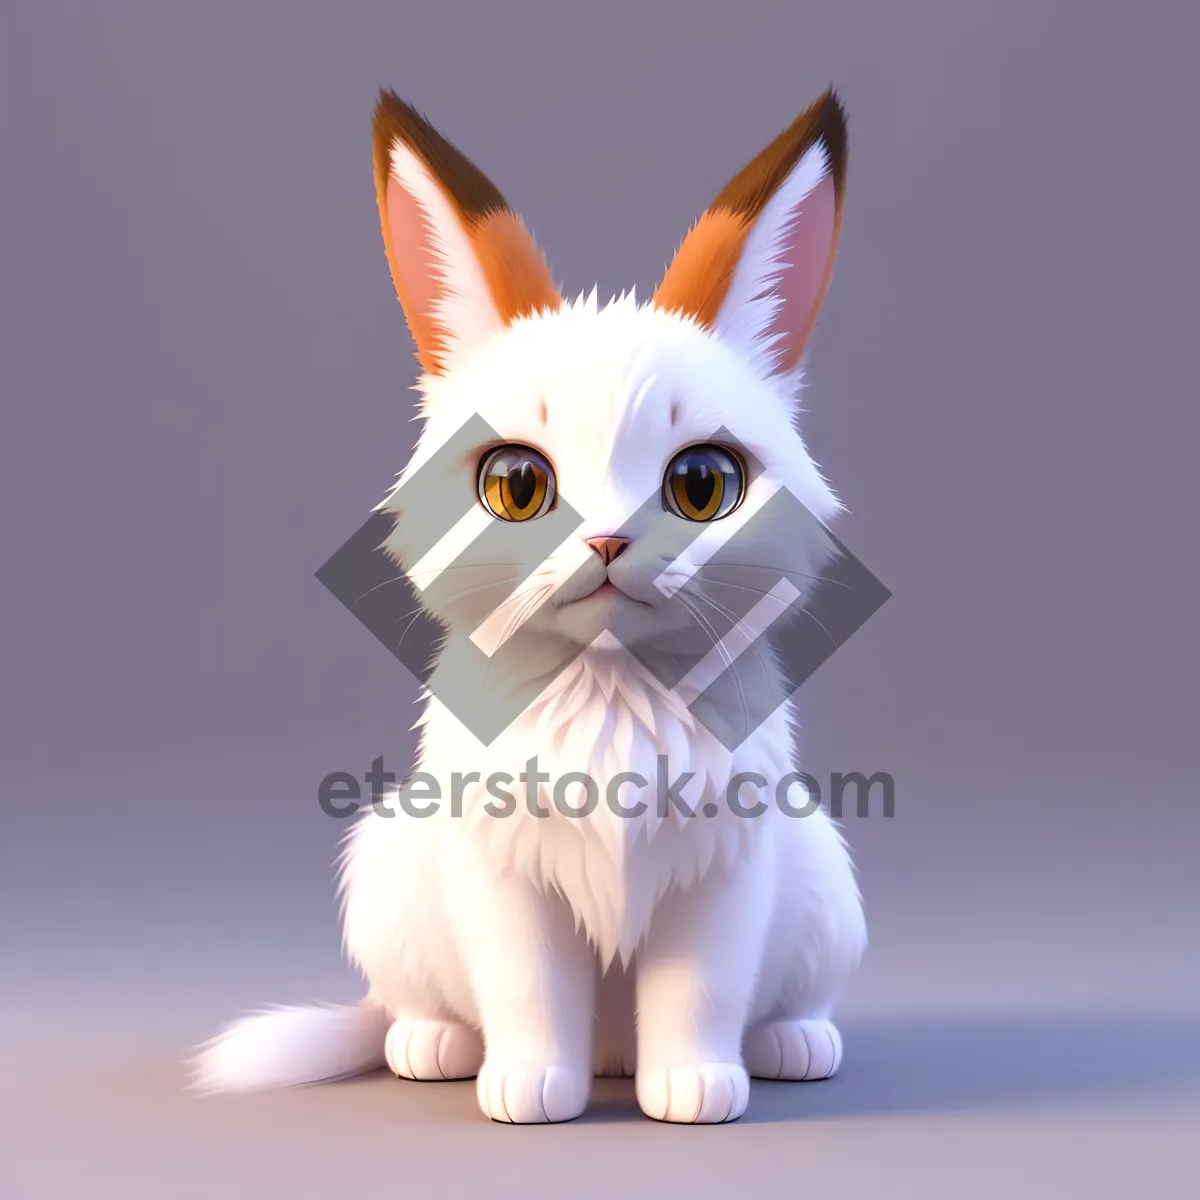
700,1094
532,1094
433,1050
793,1050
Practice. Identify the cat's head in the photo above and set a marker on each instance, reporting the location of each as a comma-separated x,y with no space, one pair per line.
587,461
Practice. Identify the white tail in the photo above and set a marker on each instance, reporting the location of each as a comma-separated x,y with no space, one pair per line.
286,1047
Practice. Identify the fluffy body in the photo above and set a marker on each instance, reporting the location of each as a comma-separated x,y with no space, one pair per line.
548,932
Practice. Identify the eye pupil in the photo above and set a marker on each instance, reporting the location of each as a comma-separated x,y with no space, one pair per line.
699,484
522,484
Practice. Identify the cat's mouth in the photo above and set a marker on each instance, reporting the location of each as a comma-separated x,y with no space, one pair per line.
606,592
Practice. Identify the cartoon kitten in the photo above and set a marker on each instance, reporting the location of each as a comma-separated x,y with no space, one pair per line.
627,447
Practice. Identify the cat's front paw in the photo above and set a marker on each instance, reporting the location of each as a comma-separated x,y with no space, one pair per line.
433,1050
699,1094
531,1093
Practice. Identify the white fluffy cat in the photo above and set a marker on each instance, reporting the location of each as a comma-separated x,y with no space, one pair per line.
516,946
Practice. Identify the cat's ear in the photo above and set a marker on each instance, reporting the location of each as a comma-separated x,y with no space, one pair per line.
756,266
463,263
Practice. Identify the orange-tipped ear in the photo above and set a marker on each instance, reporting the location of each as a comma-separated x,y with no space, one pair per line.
756,266
463,263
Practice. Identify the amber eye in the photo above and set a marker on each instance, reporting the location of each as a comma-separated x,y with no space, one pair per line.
703,483
516,483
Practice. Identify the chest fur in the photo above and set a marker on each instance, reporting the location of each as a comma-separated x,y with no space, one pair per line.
607,791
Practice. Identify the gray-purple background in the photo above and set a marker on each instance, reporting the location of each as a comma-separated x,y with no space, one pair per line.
205,384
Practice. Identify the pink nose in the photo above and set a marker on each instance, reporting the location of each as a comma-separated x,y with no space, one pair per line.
608,547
